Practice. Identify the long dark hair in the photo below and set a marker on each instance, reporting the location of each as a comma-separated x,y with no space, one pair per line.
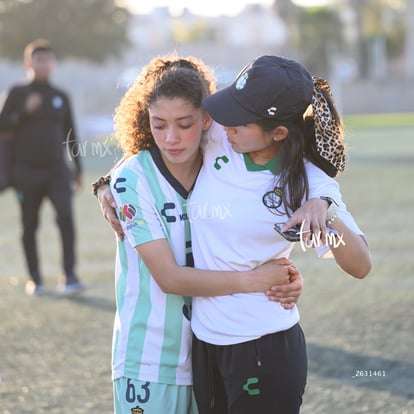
299,145
292,179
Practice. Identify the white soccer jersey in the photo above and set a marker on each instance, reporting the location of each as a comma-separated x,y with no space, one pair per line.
152,333
232,210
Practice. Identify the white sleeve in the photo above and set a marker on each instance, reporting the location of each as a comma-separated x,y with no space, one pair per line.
320,184
135,209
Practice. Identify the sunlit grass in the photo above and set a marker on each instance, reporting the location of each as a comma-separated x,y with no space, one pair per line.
62,347
380,120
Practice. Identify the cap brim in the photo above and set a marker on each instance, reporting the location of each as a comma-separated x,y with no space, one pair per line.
225,109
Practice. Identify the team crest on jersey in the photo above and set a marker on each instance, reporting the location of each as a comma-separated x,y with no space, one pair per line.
137,410
273,200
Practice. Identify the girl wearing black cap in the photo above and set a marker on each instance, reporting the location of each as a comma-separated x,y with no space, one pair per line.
249,355
160,123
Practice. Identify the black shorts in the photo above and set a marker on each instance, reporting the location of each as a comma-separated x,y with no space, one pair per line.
267,375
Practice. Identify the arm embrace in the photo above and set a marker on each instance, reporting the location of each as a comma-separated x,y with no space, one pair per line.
281,281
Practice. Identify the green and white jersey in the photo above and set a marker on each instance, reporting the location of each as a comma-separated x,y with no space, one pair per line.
233,208
152,333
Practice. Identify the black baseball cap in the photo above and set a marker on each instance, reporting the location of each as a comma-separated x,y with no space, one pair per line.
272,87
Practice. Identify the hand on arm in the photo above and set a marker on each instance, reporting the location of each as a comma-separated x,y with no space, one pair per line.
108,205
182,280
350,250
312,214
100,189
287,294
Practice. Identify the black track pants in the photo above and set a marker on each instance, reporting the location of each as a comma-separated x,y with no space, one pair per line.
33,184
267,375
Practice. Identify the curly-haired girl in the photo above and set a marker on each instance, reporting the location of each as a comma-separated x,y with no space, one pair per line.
160,124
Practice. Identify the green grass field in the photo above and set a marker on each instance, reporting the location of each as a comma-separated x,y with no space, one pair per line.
55,353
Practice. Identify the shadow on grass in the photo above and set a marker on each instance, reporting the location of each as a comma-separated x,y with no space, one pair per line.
360,370
96,302
83,299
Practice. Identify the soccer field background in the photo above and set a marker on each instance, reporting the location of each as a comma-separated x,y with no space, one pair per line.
55,352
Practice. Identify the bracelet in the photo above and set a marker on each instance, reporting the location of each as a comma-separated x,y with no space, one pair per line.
331,214
100,182
330,217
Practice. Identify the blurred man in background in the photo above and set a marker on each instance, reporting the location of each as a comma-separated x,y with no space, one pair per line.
37,117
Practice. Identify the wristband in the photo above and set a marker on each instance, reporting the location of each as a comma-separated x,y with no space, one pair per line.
332,210
100,182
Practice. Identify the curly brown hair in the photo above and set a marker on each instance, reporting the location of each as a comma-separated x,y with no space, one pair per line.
169,76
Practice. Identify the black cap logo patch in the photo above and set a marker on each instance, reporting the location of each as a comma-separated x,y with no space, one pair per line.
241,82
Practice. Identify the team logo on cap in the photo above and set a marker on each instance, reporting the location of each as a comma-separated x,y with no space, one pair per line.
241,82
272,111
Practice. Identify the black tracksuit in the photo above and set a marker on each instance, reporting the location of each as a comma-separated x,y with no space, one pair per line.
42,142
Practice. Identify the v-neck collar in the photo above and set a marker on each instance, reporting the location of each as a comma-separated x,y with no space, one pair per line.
159,162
